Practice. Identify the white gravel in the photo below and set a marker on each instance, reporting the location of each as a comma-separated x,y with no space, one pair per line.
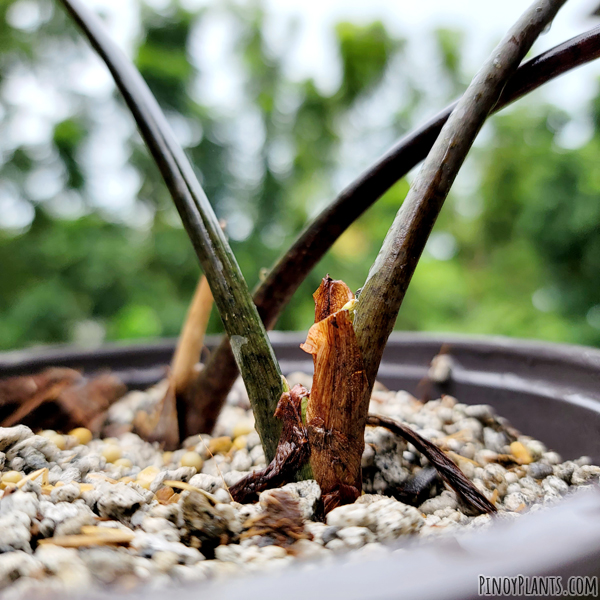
48,492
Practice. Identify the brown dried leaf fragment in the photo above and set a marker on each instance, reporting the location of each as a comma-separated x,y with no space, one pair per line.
292,450
58,398
337,408
91,536
451,474
281,520
161,424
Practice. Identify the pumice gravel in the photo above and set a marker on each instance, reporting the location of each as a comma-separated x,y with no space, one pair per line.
79,514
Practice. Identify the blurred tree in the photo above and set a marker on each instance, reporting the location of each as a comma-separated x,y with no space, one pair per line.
91,247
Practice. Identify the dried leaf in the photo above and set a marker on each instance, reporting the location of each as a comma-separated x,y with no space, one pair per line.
281,520
43,472
182,485
451,474
58,398
102,536
292,451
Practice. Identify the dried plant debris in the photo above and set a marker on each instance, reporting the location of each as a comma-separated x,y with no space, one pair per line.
281,522
92,536
159,423
417,488
338,402
451,474
292,451
58,398
207,527
123,512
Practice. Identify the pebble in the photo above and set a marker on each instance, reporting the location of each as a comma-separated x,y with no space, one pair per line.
11,477
356,537
539,470
67,565
494,440
309,550
9,436
182,474
119,501
208,483
515,501
242,461
65,493
554,484
536,449
82,435
322,533
585,474
350,515
220,445
192,459
308,494
232,477
15,532
26,503
150,543
445,500
481,412
565,471
258,456
521,453
108,565
112,453
395,519
14,565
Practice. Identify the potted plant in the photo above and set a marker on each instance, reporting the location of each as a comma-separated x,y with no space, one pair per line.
322,436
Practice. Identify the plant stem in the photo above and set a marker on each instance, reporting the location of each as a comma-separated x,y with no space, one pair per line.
251,347
393,268
272,295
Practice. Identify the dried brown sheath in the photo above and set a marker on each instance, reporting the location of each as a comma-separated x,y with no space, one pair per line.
337,407
451,474
163,422
292,450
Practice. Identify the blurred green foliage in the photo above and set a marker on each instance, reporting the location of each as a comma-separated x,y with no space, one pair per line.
515,252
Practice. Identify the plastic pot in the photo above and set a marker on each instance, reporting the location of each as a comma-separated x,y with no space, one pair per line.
549,391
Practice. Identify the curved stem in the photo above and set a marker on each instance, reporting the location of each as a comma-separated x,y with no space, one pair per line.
252,350
272,295
390,275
